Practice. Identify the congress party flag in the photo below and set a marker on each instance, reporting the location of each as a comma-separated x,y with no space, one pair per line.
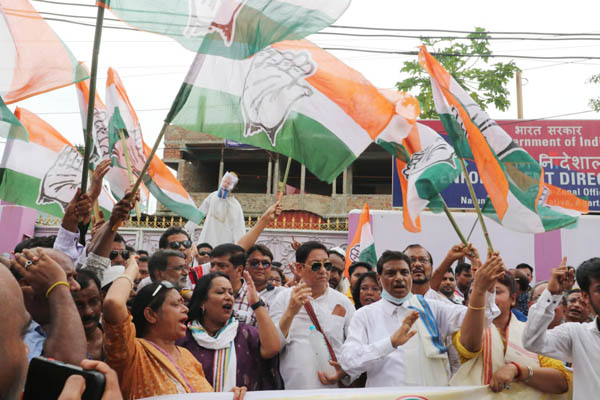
512,178
159,180
230,28
362,247
39,169
33,58
292,98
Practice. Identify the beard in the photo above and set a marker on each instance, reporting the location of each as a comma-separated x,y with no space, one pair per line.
420,281
446,291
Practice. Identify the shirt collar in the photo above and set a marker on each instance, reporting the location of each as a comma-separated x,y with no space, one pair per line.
388,308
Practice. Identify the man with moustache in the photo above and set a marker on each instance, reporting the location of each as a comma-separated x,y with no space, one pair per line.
259,261
577,307
448,287
380,340
88,301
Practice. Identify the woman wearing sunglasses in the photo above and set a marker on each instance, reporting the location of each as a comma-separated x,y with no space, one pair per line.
141,346
214,334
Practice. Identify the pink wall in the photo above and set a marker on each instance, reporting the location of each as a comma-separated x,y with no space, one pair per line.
16,224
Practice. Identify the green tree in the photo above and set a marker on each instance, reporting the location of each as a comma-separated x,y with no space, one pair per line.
595,103
459,57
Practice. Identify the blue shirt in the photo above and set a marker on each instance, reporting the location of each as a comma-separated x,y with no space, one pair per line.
35,339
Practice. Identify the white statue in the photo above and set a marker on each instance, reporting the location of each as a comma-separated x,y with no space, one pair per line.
224,221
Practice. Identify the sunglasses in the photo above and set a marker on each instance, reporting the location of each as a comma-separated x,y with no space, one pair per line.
114,253
175,245
255,263
143,259
316,266
204,253
163,285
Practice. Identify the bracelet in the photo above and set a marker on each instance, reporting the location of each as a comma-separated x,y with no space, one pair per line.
55,284
529,375
126,277
518,377
476,308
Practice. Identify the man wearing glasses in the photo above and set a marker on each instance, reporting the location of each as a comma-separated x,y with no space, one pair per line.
170,266
294,312
177,238
259,262
118,253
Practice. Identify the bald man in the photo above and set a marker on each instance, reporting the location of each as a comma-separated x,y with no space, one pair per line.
56,330
15,320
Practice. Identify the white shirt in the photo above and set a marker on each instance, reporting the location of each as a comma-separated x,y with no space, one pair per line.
298,366
369,348
571,342
268,296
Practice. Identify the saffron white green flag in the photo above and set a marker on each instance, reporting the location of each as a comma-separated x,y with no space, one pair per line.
230,28
362,246
425,162
159,180
292,98
39,169
514,180
33,59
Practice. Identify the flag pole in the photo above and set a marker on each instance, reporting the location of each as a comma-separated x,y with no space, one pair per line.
285,178
476,204
453,222
129,170
91,98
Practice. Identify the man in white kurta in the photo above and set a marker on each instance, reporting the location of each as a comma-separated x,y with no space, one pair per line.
573,342
224,221
378,341
298,364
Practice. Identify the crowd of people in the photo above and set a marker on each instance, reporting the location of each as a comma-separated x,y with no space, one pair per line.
226,317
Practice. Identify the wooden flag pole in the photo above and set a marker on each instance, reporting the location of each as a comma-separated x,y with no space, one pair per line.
453,222
129,170
91,99
285,178
476,204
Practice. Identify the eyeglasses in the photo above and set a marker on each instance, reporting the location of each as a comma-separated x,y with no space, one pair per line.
143,259
316,266
114,253
255,263
271,280
205,253
178,268
163,285
175,245
422,260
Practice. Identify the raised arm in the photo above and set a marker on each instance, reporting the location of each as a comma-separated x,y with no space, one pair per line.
474,323
556,342
270,344
455,253
115,303
252,235
65,335
300,294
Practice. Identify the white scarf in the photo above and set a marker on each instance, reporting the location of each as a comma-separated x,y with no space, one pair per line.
225,361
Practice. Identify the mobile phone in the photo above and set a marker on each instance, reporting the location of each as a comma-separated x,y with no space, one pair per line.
46,379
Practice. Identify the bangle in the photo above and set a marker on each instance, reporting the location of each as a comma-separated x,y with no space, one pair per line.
529,375
518,377
55,284
476,308
126,277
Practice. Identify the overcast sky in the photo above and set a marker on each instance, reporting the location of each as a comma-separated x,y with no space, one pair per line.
152,67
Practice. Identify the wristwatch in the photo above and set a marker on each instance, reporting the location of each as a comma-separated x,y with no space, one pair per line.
259,303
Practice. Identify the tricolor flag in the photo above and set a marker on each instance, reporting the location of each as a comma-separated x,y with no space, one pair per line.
230,28
512,178
292,98
425,162
39,169
362,247
159,180
33,58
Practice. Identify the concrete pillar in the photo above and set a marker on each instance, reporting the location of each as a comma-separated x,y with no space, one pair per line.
276,174
334,187
302,178
269,175
221,166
